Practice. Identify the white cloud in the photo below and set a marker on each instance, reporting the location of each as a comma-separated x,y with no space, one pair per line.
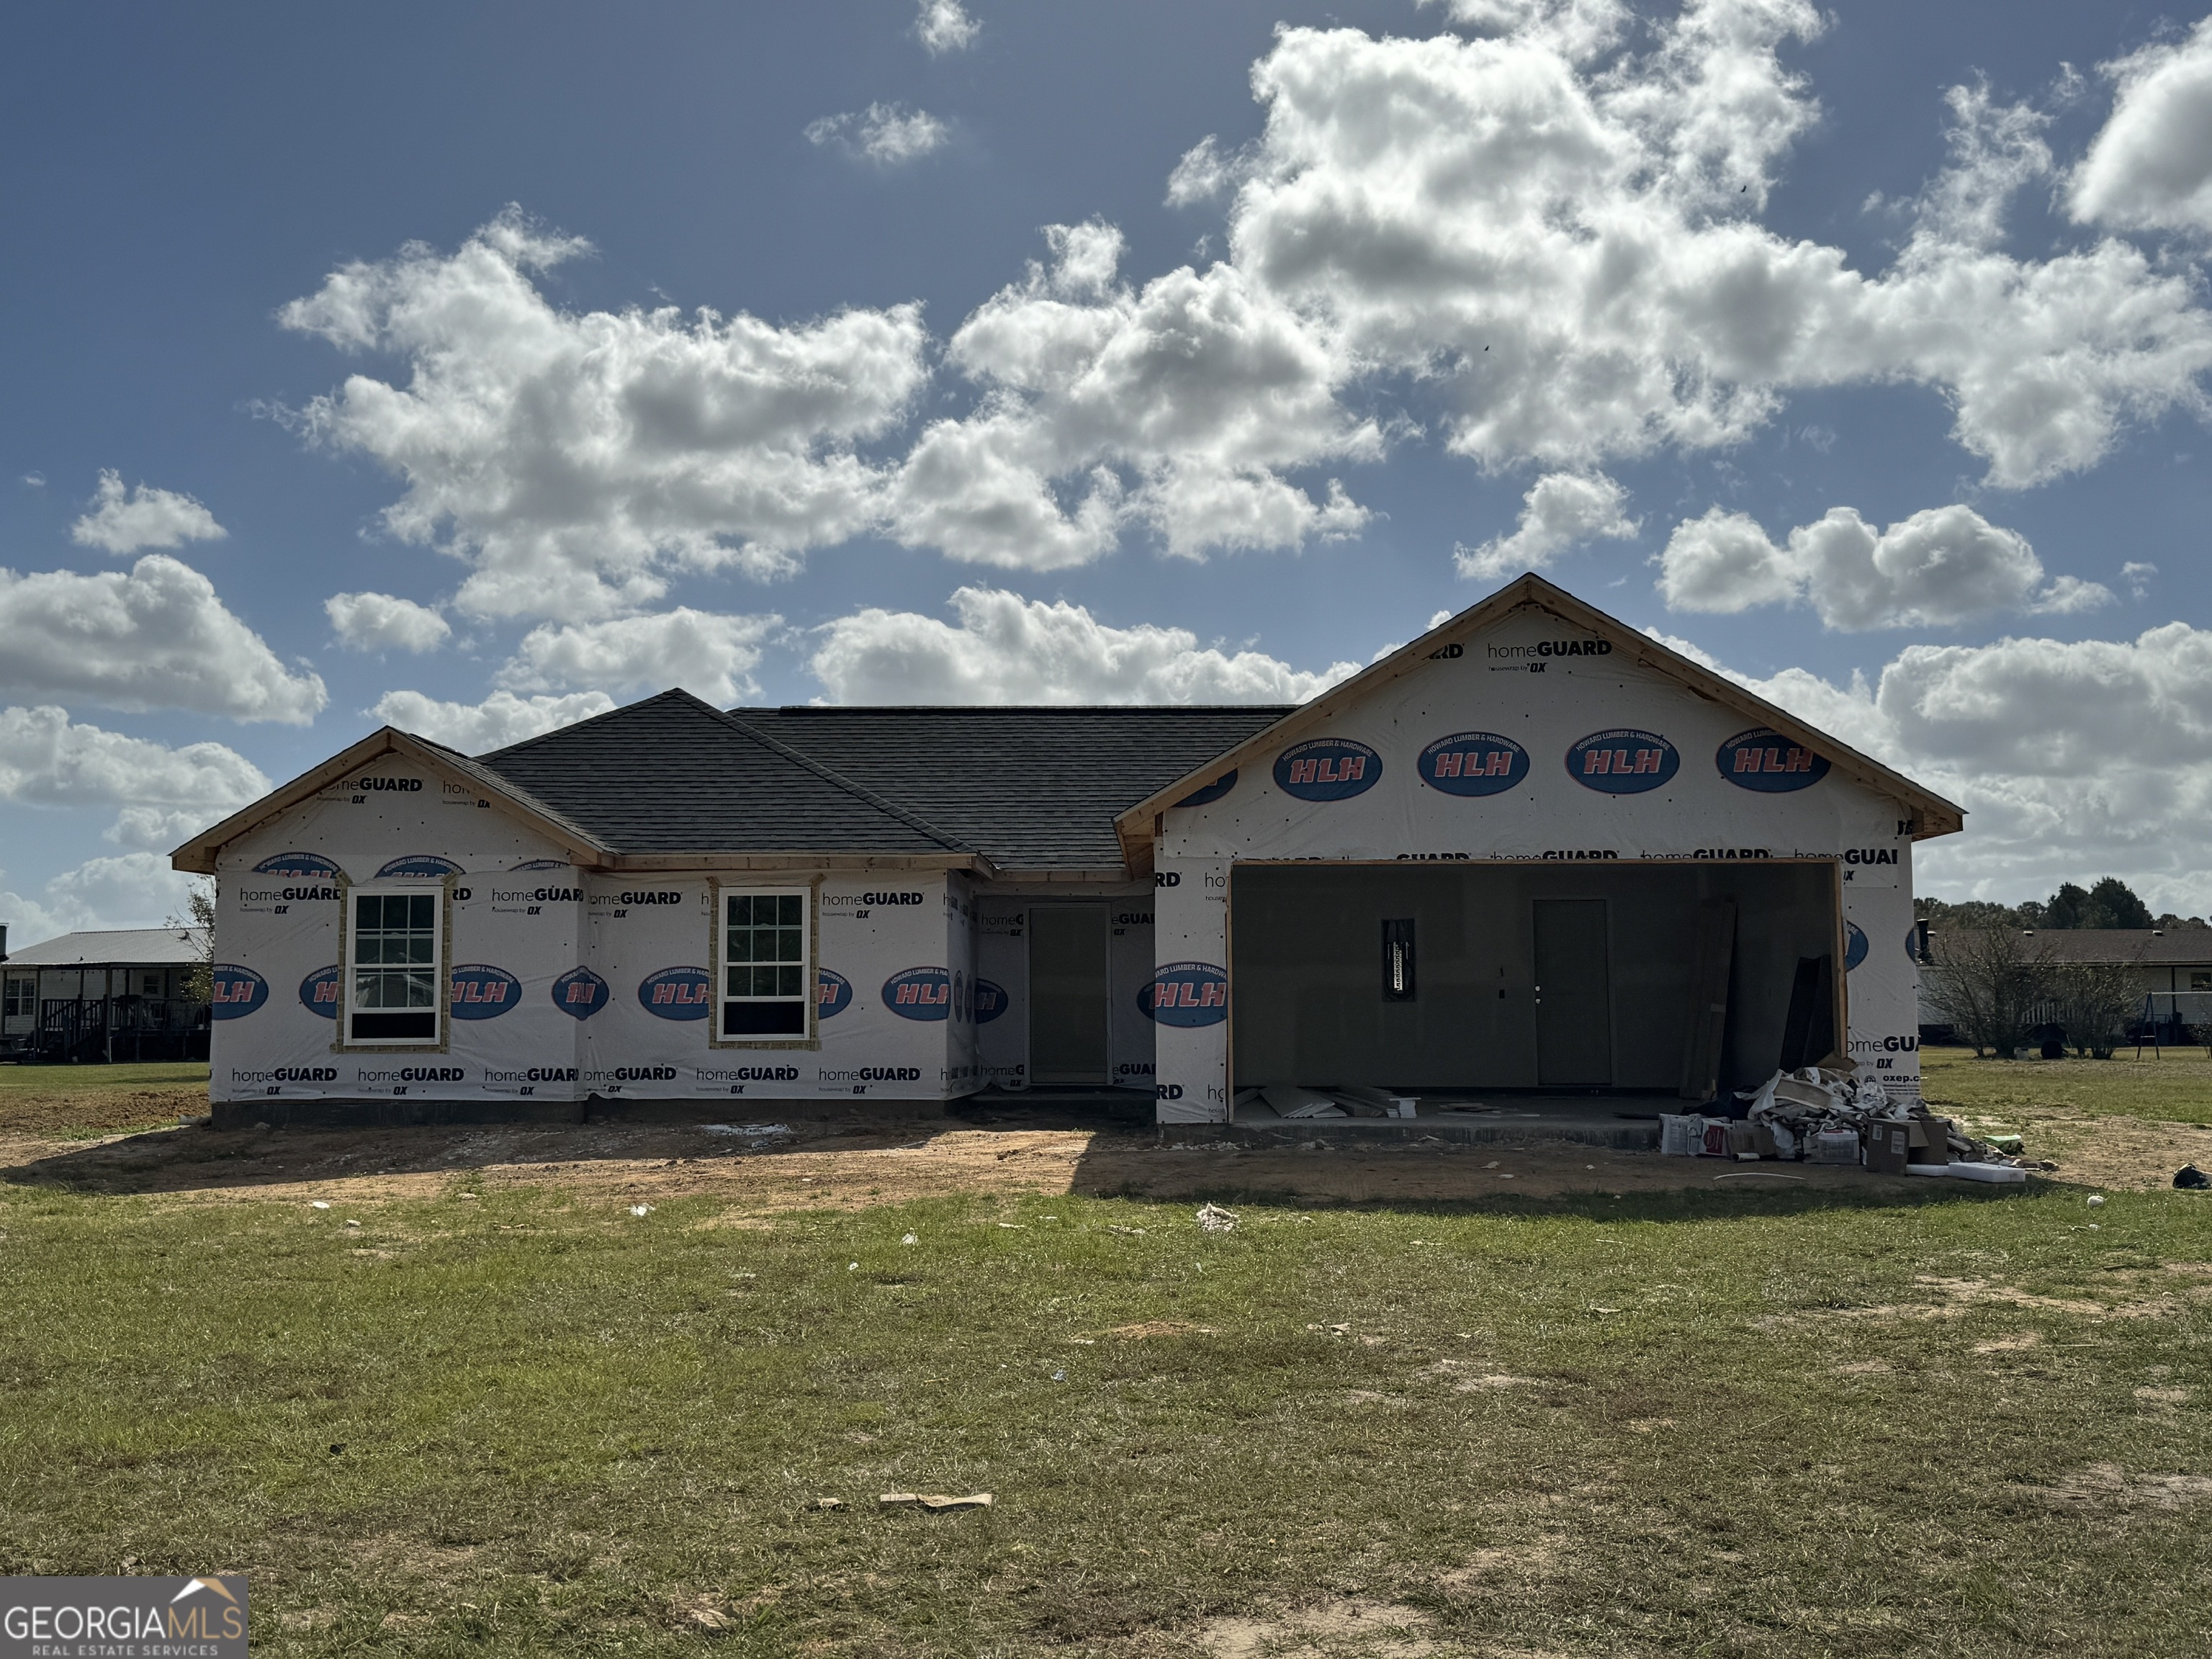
1007,649
889,135
123,521
2072,758
2151,166
710,655
942,25
1569,251
1560,510
156,638
47,760
132,890
2138,575
1204,172
1941,567
500,719
1177,406
571,458
158,828
381,621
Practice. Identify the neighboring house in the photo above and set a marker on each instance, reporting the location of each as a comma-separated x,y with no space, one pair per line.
1534,850
116,995
2172,969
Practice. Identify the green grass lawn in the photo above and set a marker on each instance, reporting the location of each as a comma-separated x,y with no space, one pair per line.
1736,1423
2176,1088
87,1080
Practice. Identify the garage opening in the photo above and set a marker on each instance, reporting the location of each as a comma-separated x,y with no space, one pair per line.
1683,979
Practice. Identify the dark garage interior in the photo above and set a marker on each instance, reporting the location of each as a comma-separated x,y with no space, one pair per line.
1683,978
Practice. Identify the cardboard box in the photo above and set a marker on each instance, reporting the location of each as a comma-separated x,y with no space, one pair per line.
1885,1148
1930,1140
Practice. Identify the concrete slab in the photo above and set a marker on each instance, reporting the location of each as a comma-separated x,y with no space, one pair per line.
1627,1124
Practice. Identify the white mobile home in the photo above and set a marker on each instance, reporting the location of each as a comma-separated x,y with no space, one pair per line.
1534,850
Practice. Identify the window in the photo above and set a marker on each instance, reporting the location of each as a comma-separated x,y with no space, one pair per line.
149,985
20,997
2199,980
768,966
394,953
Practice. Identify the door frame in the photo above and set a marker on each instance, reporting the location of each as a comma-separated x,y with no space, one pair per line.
1104,907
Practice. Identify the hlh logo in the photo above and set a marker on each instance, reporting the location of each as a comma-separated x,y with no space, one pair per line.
299,864
919,994
419,864
580,994
1854,946
1187,994
1763,759
1473,763
990,1001
1623,763
1212,793
319,992
675,993
481,991
238,992
833,994
1327,768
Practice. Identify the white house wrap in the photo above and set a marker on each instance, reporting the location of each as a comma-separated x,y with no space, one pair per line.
1486,862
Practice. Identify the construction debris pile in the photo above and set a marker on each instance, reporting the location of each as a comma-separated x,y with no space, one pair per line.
1827,1117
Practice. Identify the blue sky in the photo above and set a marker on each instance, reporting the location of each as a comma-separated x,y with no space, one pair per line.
1202,352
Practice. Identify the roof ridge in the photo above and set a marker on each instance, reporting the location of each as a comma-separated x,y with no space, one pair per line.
912,820
1010,708
589,719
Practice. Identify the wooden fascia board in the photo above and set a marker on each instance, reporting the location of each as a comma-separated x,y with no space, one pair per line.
1932,815
199,855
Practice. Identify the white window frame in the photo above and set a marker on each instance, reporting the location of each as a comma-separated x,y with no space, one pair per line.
441,968
809,998
29,984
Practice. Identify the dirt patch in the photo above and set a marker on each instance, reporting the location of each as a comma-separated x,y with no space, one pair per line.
855,1161
1502,1565
1371,1630
2106,1486
2123,1154
1149,1328
27,1112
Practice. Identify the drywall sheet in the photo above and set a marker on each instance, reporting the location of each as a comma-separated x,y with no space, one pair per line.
1534,742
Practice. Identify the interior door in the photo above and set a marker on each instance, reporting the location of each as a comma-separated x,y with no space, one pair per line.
1071,989
1574,994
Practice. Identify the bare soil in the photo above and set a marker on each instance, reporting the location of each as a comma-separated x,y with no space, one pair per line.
853,1162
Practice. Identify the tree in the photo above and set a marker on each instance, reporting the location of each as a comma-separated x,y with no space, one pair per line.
1987,981
2115,904
199,984
2095,1001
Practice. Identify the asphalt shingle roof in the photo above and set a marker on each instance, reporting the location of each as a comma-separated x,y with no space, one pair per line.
674,774
1030,788
1035,788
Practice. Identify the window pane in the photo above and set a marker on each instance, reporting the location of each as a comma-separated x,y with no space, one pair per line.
791,945
763,982
788,911
787,982
741,910
737,981
368,911
425,911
